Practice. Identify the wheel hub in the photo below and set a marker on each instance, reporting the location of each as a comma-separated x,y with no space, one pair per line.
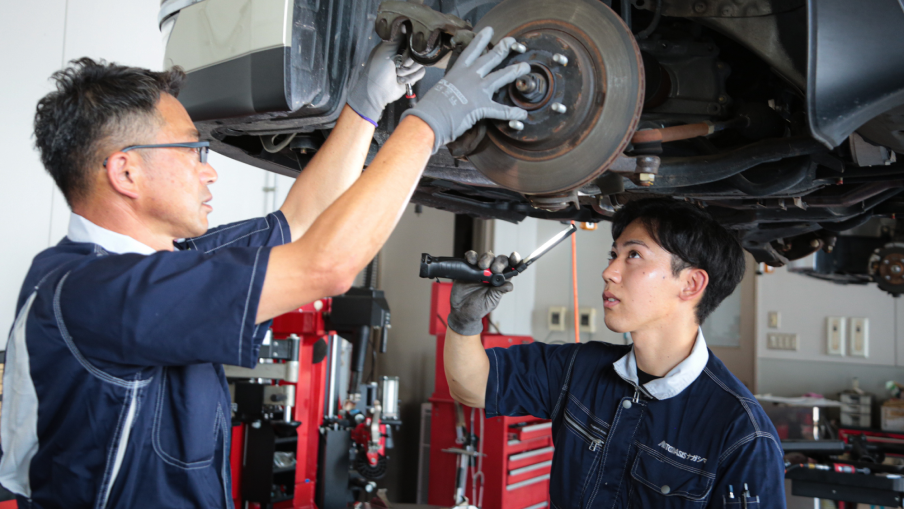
583,95
886,265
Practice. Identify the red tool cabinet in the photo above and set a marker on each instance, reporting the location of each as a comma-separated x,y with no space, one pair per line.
518,450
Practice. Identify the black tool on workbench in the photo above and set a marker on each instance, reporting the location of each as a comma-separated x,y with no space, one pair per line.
459,268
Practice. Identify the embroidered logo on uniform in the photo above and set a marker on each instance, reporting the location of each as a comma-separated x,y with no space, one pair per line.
681,454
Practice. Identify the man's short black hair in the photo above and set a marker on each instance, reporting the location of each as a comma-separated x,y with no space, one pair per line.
96,106
694,239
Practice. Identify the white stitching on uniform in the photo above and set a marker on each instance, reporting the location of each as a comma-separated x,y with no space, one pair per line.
625,467
155,435
282,236
245,313
564,389
740,399
661,457
238,238
587,411
100,502
64,332
683,494
224,474
221,230
743,401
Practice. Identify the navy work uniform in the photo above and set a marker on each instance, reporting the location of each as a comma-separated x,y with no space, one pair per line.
114,391
690,439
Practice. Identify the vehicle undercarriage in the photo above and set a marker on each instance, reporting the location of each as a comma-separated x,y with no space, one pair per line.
782,118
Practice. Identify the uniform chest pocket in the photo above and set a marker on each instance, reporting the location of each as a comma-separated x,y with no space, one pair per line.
666,482
579,441
188,416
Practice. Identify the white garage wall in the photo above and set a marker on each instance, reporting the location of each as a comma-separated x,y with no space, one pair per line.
804,304
37,39
553,283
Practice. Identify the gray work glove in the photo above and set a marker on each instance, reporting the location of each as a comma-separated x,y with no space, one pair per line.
471,300
382,81
465,94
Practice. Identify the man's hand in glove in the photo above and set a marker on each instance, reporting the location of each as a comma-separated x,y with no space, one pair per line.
382,81
471,301
465,94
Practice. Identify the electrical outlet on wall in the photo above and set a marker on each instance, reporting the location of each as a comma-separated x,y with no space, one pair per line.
859,344
835,335
782,341
556,319
587,320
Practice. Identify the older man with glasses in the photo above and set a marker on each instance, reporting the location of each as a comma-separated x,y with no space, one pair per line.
114,388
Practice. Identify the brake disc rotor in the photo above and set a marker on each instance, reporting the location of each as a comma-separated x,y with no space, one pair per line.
584,95
886,265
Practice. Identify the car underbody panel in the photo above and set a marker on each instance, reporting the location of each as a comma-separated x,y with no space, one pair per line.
780,117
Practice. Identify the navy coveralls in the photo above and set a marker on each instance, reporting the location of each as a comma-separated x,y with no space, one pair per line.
690,439
115,394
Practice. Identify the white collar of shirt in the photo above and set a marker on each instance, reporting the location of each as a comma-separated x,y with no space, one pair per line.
676,380
82,230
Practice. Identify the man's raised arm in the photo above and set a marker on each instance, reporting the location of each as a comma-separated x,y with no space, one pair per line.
347,235
338,163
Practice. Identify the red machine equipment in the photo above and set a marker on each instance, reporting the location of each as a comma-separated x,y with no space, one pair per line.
292,429
497,463
297,482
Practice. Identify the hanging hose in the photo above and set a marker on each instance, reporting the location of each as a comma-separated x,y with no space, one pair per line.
574,286
271,146
643,34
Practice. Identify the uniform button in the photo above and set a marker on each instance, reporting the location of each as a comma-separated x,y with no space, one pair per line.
665,490
626,403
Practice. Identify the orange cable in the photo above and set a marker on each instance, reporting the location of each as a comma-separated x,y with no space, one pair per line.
574,284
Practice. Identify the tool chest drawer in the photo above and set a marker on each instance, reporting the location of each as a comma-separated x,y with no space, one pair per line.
528,431
527,458
518,475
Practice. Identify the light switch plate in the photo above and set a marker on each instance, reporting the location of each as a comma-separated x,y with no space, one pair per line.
859,344
782,341
556,319
835,335
587,320
775,320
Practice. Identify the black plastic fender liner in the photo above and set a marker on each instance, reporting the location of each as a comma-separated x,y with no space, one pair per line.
798,169
847,224
854,68
694,170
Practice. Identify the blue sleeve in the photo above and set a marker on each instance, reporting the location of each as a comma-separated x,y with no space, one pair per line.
272,230
758,461
528,379
166,309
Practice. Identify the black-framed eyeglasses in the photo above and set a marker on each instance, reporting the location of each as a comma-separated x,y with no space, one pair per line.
202,146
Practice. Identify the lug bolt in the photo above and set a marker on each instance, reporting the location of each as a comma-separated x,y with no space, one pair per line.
526,84
516,125
519,48
558,108
814,243
560,59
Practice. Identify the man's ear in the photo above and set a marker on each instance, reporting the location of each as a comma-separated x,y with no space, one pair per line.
694,283
123,175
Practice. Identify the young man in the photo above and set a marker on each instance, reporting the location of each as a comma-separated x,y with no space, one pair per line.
661,423
114,390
